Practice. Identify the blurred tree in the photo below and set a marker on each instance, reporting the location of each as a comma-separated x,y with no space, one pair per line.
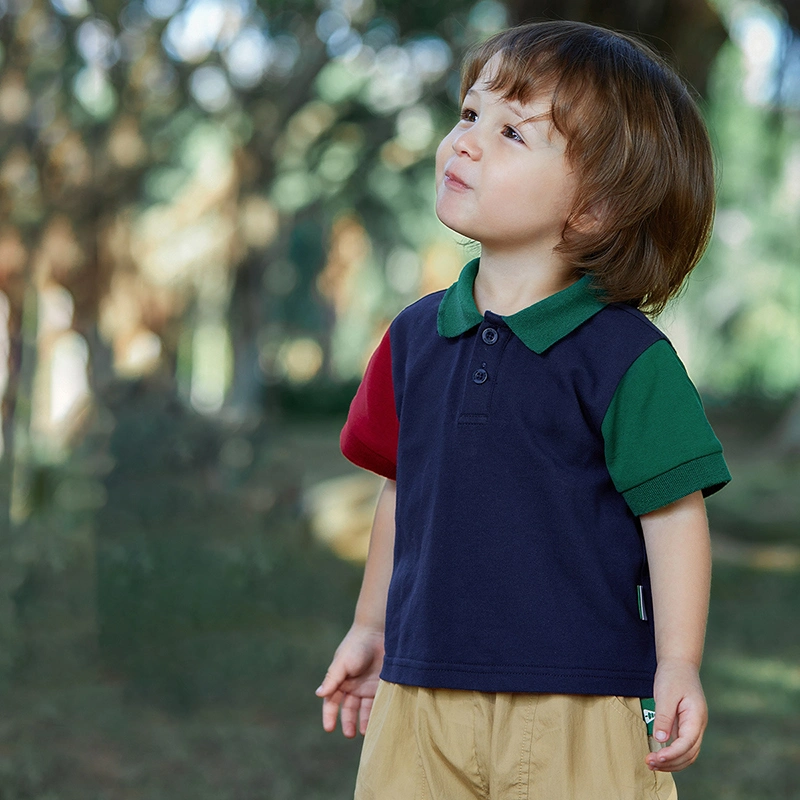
191,191
101,104
746,313
179,169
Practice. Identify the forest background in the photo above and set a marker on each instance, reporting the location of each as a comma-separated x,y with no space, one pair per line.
211,210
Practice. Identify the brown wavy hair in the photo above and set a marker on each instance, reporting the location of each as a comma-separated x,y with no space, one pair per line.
635,138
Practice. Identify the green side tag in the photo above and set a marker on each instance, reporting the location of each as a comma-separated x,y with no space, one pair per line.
640,599
648,712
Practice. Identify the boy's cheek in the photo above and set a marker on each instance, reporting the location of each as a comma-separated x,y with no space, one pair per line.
438,177
441,158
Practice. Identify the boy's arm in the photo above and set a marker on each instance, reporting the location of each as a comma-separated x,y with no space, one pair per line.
352,678
679,555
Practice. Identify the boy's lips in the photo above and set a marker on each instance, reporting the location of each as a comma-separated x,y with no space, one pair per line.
454,182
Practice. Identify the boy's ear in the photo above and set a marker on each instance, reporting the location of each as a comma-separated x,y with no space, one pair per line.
593,218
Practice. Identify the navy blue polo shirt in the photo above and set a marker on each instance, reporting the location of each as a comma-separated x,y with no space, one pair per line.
525,447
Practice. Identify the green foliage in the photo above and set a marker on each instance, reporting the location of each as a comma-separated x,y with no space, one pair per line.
318,399
744,301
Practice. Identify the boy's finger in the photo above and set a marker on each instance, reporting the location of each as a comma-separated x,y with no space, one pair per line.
350,706
664,724
667,755
677,763
333,677
330,710
682,751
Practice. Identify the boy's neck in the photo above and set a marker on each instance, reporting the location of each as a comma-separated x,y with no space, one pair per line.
507,283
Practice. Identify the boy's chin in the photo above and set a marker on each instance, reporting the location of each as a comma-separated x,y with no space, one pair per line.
457,230
453,226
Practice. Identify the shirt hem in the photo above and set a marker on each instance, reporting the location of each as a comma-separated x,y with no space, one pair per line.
489,678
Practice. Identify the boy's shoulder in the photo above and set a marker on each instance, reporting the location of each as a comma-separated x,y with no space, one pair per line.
617,333
626,319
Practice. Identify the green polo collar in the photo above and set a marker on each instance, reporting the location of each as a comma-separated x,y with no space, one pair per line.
538,326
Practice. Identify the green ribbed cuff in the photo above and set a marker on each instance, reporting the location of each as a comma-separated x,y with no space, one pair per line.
708,473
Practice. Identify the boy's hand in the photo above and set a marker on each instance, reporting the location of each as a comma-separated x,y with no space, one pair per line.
351,680
681,712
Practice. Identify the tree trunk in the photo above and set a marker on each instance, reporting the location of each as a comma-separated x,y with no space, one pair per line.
17,472
688,32
792,9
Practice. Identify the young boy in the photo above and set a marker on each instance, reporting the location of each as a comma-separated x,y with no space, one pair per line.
539,562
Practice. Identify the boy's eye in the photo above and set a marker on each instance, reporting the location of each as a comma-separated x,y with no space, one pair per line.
510,133
468,114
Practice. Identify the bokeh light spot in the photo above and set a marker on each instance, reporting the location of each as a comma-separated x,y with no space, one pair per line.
488,16
95,93
330,22
300,359
415,127
162,9
71,8
96,43
248,57
210,88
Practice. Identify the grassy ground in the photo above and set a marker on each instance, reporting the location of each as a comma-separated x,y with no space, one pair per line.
182,663
752,662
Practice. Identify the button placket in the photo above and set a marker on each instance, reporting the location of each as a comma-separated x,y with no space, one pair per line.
489,344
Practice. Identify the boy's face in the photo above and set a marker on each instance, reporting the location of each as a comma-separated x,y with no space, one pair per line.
501,178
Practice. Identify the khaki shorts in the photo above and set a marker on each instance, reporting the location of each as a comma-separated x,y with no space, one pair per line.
449,744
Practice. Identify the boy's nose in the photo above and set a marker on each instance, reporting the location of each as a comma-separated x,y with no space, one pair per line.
466,142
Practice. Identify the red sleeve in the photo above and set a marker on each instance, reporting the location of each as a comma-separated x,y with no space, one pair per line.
369,437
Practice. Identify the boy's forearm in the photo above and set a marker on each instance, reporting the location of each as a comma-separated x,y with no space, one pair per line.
371,605
679,555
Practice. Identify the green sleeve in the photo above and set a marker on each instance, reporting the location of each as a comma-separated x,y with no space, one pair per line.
659,445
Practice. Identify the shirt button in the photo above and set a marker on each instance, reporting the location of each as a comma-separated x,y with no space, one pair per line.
489,335
480,375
